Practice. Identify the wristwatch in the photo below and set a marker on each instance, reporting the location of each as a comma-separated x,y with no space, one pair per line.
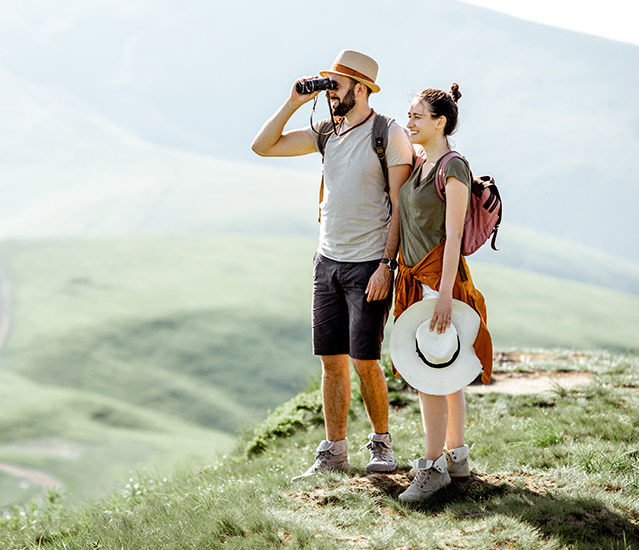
390,263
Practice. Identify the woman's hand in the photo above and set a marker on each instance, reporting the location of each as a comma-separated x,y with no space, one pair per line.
442,314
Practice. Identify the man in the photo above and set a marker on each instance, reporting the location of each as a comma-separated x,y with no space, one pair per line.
353,267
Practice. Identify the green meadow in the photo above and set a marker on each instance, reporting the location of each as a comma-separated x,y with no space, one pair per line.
557,470
133,353
146,352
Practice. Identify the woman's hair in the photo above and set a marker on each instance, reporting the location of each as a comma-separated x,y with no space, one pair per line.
443,103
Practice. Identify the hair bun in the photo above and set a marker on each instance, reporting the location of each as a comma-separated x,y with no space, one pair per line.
454,91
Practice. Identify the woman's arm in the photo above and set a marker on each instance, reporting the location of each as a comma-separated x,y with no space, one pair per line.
456,205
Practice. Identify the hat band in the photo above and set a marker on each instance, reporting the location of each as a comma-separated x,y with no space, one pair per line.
337,68
439,365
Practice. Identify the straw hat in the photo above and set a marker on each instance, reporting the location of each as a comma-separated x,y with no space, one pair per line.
436,364
357,66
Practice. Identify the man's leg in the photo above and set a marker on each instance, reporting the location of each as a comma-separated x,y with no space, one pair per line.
374,393
332,453
336,395
330,341
366,332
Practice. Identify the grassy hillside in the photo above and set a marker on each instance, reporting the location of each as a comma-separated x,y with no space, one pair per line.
558,470
147,350
89,441
527,309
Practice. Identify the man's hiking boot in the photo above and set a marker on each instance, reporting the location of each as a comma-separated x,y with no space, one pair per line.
382,456
331,455
457,460
431,477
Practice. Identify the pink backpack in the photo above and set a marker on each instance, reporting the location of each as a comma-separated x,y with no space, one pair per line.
484,213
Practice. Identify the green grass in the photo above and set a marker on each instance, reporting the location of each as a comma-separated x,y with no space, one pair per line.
556,471
148,351
15,491
144,351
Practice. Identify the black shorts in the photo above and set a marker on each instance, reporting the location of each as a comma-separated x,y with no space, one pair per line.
343,321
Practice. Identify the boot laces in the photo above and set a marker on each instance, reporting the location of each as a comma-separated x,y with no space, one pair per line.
322,457
378,450
423,477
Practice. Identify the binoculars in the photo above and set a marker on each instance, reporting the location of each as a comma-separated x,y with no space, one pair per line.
315,85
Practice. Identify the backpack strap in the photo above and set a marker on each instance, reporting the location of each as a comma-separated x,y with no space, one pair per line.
440,182
379,138
325,131
440,185
381,125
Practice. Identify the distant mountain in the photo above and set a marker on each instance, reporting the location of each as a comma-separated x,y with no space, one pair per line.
102,102
93,177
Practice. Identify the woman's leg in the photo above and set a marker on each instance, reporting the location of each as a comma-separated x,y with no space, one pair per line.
431,472
456,420
435,418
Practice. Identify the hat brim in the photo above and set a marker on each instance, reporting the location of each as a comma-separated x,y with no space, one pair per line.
374,87
429,380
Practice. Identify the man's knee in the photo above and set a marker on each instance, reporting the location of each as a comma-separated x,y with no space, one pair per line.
366,367
335,364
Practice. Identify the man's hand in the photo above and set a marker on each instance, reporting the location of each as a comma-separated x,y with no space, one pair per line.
299,99
273,141
379,284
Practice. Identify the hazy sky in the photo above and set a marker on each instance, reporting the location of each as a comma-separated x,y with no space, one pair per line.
614,19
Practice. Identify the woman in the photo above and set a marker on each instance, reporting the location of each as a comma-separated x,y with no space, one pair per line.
431,266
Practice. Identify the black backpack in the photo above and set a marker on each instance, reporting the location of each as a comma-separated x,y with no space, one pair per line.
379,142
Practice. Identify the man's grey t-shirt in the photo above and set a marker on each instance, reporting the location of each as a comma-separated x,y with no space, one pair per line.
355,206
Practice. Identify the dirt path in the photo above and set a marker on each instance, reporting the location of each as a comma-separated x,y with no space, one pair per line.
531,381
34,477
520,383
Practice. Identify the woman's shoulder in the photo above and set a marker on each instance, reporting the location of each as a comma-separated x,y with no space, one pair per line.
459,162
459,168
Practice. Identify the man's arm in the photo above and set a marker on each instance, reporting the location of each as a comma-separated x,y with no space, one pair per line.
272,141
380,283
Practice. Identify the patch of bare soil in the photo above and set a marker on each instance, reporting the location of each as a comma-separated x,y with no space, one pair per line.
537,483
379,485
34,477
518,357
376,485
520,383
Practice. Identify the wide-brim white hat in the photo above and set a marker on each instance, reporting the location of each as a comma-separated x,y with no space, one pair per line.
356,65
436,364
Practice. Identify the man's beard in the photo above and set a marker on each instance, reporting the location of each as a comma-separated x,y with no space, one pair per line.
345,105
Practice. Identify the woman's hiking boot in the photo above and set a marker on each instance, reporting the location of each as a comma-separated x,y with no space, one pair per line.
431,476
331,455
457,459
382,456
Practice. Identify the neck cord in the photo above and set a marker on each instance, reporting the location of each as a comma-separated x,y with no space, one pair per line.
340,120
